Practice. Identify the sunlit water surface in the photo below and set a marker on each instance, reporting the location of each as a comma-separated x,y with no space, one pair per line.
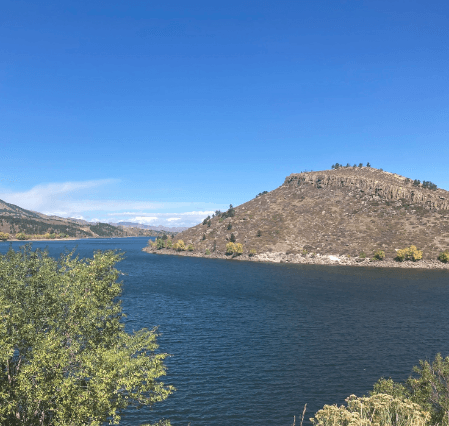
252,343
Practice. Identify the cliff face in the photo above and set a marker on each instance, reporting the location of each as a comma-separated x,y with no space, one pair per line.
335,212
374,184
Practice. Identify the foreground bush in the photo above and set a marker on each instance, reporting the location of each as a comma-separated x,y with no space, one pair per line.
65,356
376,410
428,387
410,253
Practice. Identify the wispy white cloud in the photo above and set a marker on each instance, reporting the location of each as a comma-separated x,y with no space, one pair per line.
53,198
71,199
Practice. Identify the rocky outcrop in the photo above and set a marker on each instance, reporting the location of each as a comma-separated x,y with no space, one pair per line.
374,184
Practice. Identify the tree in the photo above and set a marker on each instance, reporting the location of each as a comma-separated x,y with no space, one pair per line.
230,248
368,164
4,236
21,236
360,165
232,239
65,356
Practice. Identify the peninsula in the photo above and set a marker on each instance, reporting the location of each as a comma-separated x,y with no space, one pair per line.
343,215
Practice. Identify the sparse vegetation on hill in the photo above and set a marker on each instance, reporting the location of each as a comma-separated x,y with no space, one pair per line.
343,211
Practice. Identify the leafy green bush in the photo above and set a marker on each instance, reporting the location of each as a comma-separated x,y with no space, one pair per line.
444,256
21,236
259,233
409,253
362,255
207,251
379,255
190,247
229,226
70,360
232,239
252,252
304,252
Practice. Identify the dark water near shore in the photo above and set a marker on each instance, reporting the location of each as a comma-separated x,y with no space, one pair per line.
252,343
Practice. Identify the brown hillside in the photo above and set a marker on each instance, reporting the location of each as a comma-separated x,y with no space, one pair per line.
336,212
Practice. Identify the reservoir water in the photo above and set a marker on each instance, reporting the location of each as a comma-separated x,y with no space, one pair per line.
251,343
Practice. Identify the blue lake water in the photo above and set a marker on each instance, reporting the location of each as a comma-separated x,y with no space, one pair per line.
251,343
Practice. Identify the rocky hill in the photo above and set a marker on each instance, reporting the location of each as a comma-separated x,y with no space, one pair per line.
345,211
14,220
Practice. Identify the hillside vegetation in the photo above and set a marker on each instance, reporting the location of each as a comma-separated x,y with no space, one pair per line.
343,211
16,222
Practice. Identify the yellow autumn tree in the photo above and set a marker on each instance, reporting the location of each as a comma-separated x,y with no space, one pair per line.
409,253
180,246
230,247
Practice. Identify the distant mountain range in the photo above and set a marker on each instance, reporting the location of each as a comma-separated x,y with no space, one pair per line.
15,220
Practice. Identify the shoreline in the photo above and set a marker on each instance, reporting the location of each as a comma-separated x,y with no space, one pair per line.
308,260
13,240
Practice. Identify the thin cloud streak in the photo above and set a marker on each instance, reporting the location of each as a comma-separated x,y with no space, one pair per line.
68,199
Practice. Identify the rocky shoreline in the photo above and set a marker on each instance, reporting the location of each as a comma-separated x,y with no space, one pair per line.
309,259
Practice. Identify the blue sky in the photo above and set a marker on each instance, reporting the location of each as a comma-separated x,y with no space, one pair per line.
161,112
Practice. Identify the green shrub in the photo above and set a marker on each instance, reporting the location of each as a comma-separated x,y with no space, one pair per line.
207,251
259,233
229,226
362,255
304,252
444,256
21,236
252,252
232,239
190,247
379,255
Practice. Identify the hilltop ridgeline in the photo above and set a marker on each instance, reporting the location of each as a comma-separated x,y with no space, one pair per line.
341,212
375,184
